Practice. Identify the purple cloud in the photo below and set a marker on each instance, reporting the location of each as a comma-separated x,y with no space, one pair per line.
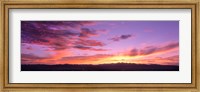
88,48
122,37
86,32
59,35
134,52
89,42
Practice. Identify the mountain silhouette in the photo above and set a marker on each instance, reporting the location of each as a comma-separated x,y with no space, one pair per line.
100,67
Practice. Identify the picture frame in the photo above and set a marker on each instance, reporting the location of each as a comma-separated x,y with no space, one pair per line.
194,86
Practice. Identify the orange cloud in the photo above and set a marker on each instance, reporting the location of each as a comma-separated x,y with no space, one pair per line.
171,60
94,59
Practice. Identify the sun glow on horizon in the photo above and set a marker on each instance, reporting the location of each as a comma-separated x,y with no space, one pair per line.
119,59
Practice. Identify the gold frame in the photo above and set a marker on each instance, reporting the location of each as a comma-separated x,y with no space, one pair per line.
5,86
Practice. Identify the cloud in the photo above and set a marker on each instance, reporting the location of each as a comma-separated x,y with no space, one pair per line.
110,58
37,50
30,58
134,52
88,48
45,42
86,32
93,59
171,60
89,42
59,35
153,49
148,50
67,24
122,37
39,33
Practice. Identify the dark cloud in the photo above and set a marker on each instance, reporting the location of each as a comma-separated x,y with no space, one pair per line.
59,35
47,24
88,48
29,57
125,36
39,33
85,33
122,37
32,59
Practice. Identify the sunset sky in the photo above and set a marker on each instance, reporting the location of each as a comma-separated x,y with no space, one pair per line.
100,42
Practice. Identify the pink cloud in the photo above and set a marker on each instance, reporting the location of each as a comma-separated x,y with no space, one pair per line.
153,49
89,42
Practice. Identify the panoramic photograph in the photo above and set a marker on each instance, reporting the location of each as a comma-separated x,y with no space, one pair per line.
105,45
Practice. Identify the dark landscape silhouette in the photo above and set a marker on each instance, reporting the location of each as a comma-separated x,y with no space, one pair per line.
100,67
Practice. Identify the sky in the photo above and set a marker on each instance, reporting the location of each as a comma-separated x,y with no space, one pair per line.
100,42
